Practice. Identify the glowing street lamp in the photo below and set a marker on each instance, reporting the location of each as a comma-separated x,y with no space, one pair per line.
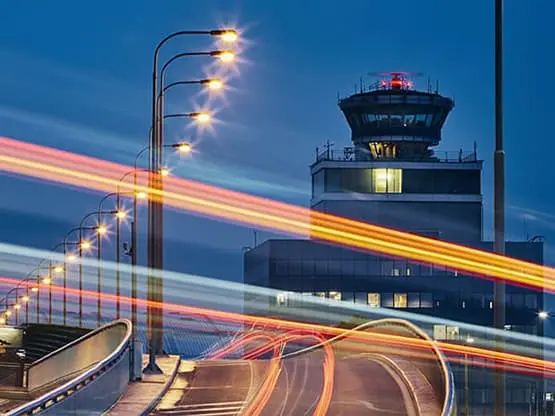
46,280
58,269
201,117
85,244
184,147
213,84
121,214
141,195
224,56
543,315
165,172
227,35
24,298
101,229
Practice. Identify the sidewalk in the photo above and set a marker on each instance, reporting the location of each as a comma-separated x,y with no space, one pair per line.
142,396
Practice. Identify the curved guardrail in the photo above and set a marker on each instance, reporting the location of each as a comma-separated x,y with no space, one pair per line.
100,381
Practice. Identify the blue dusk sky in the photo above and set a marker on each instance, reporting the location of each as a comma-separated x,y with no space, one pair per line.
76,75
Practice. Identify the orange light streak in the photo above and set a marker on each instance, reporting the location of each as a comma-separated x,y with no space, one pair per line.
183,194
392,341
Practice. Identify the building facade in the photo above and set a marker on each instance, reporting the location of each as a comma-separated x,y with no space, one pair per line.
391,176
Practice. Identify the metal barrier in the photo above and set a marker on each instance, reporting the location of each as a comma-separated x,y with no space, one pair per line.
98,363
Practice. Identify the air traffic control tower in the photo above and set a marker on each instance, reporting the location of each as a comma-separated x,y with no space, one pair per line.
391,176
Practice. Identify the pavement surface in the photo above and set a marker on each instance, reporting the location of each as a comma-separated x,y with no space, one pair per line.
143,395
226,388
213,388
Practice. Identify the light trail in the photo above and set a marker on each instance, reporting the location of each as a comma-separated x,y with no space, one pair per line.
64,167
278,342
390,341
207,290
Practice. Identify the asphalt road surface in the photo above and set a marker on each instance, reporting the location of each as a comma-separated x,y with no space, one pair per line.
362,386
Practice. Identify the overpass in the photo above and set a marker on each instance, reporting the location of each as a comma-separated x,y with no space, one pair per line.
71,371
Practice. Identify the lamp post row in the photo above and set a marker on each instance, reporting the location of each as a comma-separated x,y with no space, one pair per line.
155,210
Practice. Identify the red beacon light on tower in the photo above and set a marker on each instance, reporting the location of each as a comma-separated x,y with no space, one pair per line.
398,81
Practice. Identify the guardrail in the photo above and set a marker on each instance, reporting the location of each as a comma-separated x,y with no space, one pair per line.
98,363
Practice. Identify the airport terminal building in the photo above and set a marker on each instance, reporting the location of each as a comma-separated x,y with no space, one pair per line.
391,176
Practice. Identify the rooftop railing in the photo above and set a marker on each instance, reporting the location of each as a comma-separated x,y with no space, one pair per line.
348,154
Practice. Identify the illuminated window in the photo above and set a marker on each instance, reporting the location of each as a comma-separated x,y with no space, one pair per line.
442,332
281,299
452,332
399,300
335,295
387,181
374,300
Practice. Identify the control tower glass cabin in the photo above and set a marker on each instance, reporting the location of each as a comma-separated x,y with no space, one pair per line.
391,176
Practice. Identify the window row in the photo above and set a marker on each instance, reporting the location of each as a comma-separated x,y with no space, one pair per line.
420,300
399,119
372,299
385,180
349,268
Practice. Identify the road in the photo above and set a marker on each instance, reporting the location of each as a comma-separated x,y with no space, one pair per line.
362,386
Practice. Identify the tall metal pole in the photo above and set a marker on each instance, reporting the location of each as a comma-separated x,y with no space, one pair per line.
499,205
80,243
38,300
134,252
16,310
65,285
99,279
27,303
50,292
153,230
118,256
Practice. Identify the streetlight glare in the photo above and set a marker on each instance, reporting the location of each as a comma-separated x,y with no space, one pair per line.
8,313
85,244
184,148
202,117
25,298
71,257
46,280
101,229
58,269
224,56
543,315
17,306
227,35
164,172
121,214
141,195
2,321
214,84
34,289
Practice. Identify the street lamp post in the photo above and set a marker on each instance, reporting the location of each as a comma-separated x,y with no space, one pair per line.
155,239
100,230
499,205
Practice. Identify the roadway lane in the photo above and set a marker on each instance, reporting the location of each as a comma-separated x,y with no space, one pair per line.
214,388
361,387
365,387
